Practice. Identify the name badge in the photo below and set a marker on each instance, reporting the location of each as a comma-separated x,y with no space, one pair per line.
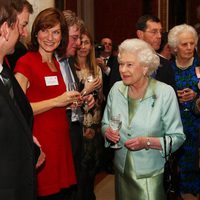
51,80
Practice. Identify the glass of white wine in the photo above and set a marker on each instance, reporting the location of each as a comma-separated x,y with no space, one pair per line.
90,78
72,86
115,125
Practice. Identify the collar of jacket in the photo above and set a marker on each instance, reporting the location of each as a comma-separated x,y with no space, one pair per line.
150,92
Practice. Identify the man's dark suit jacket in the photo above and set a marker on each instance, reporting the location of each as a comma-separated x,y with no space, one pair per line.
165,73
20,50
114,76
76,128
17,171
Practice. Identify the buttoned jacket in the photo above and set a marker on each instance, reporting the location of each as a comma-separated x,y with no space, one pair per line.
156,116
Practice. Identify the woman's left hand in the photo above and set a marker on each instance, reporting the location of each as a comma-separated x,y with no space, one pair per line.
137,143
187,95
94,85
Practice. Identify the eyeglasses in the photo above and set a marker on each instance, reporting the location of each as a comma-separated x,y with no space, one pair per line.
155,32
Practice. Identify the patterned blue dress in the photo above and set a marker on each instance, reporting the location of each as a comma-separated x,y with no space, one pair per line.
188,158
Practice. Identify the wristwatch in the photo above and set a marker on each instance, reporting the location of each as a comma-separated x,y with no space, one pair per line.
148,143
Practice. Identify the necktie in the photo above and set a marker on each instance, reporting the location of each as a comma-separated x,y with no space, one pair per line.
68,73
7,82
105,60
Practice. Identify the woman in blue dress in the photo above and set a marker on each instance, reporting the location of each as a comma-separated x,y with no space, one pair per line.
182,40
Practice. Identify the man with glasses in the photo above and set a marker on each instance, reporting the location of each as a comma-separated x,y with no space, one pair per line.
75,25
149,29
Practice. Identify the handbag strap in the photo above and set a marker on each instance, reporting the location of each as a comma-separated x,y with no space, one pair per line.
170,147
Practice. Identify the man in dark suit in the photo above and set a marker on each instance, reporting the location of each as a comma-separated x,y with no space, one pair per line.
109,66
68,71
110,70
17,167
149,29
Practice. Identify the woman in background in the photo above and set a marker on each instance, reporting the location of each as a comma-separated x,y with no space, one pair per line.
183,40
90,76
39,75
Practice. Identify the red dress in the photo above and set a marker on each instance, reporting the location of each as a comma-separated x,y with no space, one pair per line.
51,128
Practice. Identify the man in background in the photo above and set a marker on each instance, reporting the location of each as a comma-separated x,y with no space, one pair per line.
149,29
75,25
164,50
109,66
110,70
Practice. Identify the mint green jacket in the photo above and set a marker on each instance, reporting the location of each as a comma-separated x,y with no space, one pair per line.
157,115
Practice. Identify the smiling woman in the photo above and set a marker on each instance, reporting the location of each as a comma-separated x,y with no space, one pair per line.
39,75
138,98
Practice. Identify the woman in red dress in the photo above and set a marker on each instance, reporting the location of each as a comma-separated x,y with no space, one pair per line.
39,75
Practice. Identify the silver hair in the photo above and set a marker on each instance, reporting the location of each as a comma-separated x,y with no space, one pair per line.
141,50
173,36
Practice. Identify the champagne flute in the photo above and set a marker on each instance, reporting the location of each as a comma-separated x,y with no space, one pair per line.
90,78
72,86
115,125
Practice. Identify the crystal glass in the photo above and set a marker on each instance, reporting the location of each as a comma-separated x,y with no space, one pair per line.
115,124
90,78
72,86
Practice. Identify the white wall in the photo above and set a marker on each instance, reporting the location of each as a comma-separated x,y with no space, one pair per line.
39,5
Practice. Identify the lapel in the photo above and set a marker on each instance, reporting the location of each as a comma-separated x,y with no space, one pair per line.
71,64
149,97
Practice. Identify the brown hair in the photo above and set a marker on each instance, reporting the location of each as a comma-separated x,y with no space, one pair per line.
46,19
7,14
19,5
71,19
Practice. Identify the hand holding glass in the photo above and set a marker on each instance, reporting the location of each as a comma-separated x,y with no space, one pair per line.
115,125
72,86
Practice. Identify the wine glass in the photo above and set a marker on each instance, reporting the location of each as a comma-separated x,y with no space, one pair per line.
90,78
72,86
115,125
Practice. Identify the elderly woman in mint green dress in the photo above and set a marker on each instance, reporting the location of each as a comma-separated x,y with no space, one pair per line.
148,111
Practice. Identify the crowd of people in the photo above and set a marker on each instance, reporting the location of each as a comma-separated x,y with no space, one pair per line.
55,138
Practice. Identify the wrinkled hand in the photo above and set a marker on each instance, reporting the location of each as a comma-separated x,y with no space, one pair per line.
67,98
137,143
111,135
186,94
